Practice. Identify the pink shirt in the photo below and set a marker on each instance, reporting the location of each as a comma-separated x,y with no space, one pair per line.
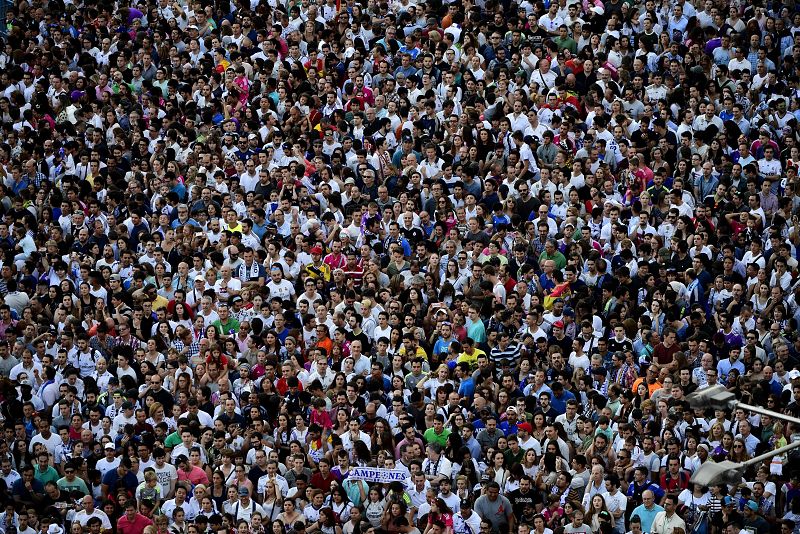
137,526
195,476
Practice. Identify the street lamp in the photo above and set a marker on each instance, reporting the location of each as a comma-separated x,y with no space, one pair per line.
727,472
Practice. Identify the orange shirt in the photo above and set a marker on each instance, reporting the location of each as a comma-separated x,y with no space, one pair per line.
326,344
651,388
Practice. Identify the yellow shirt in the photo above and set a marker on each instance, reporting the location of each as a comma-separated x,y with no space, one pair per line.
235,228
471,359
159,303
420,352
323,270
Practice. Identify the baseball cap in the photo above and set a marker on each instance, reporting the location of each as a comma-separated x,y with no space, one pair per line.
110,445
465,503
243,491
752,505
526,427
558,324
316,250
727,501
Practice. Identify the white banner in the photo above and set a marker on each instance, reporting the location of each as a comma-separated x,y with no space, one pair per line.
377,474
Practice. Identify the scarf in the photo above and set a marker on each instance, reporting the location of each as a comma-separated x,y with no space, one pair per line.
253,275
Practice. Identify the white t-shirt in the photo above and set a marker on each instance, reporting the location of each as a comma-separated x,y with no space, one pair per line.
82,517
283,289
165,475
104,466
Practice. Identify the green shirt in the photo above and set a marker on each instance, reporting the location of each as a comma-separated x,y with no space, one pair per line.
432,437
557,257
48,475
173,440
76,485
224,328
568,43
511,458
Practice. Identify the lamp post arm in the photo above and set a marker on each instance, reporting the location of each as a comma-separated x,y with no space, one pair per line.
764,411
767,455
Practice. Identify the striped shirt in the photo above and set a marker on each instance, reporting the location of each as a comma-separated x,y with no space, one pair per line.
510,355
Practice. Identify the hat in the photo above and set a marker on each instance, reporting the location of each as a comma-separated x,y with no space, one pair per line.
252,136
704,446
511,409
236,299
316,250
198,277
127,406
465,503
116,277
599,11
727,501
244,365
604,514
526,427
485,478
110,445
558,324
243,491
569,312
599,371
753,505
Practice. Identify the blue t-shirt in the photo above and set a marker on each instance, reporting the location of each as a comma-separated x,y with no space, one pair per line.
19,489
467,388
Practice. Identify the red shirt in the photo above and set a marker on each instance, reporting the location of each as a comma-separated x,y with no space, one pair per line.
679,483
322,483
664,355
137,526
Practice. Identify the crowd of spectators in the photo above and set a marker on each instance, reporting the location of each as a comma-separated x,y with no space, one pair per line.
486,248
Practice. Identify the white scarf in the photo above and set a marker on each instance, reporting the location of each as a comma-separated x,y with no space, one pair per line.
253,275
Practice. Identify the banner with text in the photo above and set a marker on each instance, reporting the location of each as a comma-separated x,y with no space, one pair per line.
377,474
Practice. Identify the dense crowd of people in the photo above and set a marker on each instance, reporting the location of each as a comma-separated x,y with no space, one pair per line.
258,258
